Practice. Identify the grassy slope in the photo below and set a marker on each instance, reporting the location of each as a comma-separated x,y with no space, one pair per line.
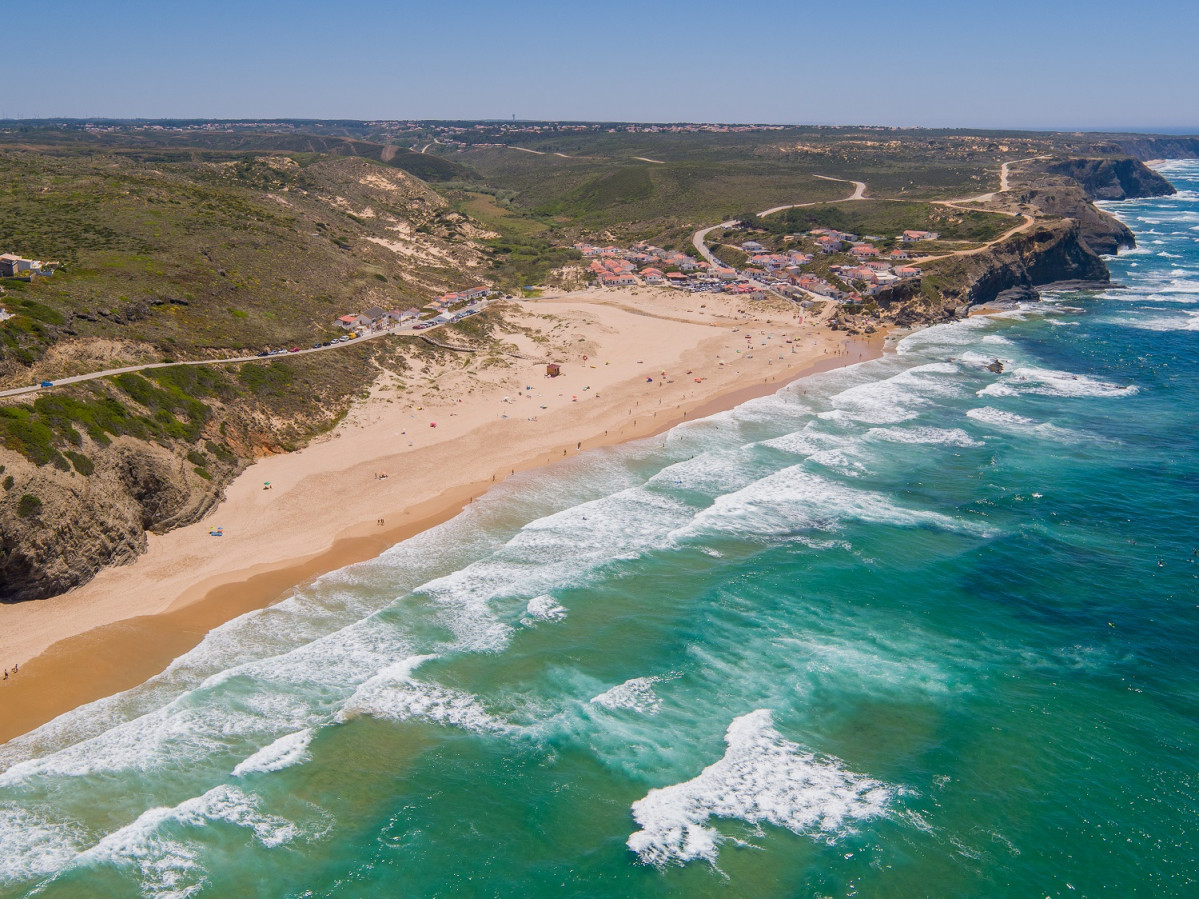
196,256
888,219
709,177
150,145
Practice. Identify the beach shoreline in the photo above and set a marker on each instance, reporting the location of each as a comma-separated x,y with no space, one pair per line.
130,623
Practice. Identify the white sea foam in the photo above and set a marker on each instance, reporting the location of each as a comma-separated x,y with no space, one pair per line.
1188,321
991,416
943,337
897,398
543,608
1183,285
763,778
979,360
547,554
636,694
1047,382
839,461
32,847
288,750
936,436
807,441
289,692
166,863
396,695
709,472
1010,421
795,500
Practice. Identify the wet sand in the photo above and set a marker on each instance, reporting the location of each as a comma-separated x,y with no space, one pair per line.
129,623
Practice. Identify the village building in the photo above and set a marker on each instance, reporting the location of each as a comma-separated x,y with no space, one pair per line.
914,236
353,322
11,266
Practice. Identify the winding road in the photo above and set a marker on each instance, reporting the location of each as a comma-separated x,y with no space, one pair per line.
698,239
1004,187
107,373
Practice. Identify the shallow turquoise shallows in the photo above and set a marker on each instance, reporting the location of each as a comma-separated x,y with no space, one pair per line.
913,628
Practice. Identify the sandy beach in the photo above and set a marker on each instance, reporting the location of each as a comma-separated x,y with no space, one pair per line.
633,363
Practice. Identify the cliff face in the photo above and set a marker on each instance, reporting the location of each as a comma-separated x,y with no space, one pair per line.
1047,254
1118,178
79,524
1061,198
1159,147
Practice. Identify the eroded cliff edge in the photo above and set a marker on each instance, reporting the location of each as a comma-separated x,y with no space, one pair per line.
1065,245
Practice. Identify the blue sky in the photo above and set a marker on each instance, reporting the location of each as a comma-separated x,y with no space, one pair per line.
1046,64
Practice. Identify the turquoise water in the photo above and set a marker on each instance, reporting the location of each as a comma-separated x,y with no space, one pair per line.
912,628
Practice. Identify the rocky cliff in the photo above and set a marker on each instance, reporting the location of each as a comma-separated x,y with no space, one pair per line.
1059,197
1159,147
1113,178
1046,254
59,528
1049,253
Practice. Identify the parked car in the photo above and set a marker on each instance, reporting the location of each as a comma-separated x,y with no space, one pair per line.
265,353
46,384
294,349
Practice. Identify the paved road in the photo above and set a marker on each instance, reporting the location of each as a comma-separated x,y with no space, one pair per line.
91,376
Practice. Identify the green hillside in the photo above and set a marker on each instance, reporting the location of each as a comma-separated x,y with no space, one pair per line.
191,256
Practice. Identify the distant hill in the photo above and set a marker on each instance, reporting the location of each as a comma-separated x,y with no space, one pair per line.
162,145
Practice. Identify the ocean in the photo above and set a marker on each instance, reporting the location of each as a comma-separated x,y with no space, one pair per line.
911,628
